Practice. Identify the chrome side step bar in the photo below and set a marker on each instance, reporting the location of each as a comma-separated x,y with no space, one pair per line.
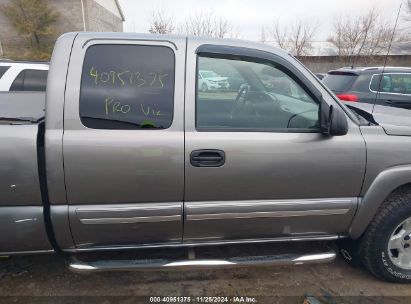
164,264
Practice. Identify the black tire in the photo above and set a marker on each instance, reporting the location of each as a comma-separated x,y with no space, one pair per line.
374,244
204,88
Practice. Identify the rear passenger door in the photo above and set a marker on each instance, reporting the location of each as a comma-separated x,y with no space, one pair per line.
257,164
124,142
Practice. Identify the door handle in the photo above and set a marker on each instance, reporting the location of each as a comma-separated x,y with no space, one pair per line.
207,158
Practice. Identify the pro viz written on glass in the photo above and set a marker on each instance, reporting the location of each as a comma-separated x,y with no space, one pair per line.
112,106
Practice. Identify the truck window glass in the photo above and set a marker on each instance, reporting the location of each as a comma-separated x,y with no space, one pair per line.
339,82
18,83
375,81
35,80
30,80
127,87
3,70
235,94
397,83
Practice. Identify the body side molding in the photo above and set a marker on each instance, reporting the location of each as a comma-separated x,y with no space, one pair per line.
267,208
127,214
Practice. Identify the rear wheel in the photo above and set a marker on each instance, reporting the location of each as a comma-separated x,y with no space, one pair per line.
385,249
204,88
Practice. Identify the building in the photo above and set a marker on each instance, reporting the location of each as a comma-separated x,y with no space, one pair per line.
75,15
325,57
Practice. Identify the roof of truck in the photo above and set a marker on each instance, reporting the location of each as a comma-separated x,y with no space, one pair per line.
88,36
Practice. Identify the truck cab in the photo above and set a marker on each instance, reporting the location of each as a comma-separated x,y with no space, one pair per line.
151,159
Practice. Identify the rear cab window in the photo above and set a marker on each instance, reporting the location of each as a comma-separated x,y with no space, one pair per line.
127,87
339,81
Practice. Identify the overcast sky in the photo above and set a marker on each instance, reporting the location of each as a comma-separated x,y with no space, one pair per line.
248,16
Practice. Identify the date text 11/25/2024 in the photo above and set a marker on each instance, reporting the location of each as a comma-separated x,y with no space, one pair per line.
204,299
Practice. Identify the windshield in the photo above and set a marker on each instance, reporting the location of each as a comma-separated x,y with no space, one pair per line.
279,83
339,82
209,74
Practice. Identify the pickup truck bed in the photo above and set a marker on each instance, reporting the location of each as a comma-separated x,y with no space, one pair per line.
21,129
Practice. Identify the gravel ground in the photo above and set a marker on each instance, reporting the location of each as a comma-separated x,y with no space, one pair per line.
45,279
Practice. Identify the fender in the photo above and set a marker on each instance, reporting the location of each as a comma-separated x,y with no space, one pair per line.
383,185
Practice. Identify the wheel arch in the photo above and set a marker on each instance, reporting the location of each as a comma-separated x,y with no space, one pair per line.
386,183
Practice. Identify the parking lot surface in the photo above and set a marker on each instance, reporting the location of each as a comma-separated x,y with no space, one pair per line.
46,279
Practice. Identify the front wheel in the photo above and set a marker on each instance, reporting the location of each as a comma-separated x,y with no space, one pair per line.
204,88
386,246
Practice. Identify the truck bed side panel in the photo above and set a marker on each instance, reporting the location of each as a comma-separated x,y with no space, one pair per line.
23,230
22,226
19,180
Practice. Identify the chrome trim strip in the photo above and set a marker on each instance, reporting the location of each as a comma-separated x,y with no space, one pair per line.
161,264
130,220
6,253
197,211
129,214
153,207
330,237
226,216
257,203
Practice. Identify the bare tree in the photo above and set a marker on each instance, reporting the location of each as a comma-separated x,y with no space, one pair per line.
34,20
408,11
296,39
208,24
407,18
161,23
365,36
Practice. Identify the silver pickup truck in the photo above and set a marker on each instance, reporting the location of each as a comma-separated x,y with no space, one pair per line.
128,152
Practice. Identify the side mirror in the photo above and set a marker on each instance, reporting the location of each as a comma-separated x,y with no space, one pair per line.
333,120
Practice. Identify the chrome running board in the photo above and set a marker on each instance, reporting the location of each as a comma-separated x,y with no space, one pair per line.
163,264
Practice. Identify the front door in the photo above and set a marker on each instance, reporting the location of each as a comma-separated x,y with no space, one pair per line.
124,142
257,165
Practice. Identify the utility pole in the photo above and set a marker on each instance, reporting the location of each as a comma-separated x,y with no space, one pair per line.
262,39
84,17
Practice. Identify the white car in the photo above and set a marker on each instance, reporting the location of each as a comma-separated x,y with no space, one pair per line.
211,81
23,76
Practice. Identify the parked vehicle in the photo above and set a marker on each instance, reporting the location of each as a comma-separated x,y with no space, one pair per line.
368,85
23,76
211,81
129,155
